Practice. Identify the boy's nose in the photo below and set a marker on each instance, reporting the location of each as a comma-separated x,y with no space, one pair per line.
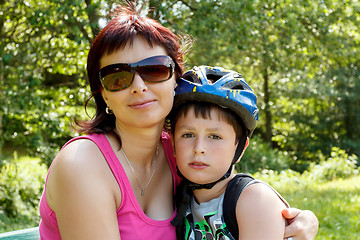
199,147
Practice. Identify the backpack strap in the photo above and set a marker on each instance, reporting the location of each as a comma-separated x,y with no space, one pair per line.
232,193
182,200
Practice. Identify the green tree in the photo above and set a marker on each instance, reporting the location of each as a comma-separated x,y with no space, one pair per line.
43,47
301,57
290,52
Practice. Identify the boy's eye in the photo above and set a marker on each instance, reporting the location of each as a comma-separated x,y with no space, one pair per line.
215,137
187,135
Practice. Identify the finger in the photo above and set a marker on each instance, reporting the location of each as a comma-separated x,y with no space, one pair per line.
290,231
290,213
304,225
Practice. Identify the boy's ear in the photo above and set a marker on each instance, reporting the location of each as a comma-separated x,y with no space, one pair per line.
245,147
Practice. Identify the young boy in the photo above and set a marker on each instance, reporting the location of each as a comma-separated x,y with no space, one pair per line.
214,115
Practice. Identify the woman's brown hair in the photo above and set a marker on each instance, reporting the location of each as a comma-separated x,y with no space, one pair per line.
119,31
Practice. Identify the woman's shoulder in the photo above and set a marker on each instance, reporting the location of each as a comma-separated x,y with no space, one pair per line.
79,144
77,155
79,162
92,140
81,187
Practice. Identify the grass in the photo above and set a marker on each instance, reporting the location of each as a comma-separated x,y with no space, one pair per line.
336,204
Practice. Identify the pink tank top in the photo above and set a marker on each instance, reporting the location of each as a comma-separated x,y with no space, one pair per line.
132,221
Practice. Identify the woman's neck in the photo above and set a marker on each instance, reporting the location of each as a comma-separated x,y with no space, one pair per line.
140,143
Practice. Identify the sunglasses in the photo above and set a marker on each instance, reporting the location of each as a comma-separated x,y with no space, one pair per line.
116,77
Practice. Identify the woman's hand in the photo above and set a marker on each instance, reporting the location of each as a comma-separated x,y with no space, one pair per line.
303,224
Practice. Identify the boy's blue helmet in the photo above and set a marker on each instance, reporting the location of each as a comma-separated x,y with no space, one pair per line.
225,88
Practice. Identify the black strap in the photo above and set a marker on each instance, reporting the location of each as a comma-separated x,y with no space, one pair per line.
182,200
232,193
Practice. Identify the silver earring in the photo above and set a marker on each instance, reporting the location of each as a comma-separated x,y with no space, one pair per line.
108,110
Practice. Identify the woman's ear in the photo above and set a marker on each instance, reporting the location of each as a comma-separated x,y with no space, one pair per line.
103,94
245,147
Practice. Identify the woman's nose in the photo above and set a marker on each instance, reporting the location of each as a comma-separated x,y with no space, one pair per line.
138,85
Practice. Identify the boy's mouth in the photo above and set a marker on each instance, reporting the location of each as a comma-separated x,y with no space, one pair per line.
198,165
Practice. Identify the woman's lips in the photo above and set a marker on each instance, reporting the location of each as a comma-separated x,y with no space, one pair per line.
142,105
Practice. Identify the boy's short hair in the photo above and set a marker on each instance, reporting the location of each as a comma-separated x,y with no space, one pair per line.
203,109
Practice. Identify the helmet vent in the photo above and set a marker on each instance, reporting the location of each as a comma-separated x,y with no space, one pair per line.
235,85
239,87
213,78
191,78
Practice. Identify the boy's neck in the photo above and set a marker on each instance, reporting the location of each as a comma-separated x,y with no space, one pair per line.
206,195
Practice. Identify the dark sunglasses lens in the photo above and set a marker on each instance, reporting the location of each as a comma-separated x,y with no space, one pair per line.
117,81
154,73
119,76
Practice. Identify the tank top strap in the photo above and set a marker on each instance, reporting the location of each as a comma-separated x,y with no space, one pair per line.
102,142
114,164
165,139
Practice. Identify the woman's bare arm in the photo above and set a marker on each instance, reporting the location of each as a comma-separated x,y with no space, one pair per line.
81,191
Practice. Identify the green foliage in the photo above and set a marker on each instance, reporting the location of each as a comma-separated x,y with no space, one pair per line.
21,185
338,165
41,124
301,58
259,155
43,47
277,179
335,202
314,116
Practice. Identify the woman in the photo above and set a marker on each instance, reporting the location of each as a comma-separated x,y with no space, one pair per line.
119,180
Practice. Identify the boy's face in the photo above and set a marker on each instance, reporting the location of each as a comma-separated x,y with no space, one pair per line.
205,148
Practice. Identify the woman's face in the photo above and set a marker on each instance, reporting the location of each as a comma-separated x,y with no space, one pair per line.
142,104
